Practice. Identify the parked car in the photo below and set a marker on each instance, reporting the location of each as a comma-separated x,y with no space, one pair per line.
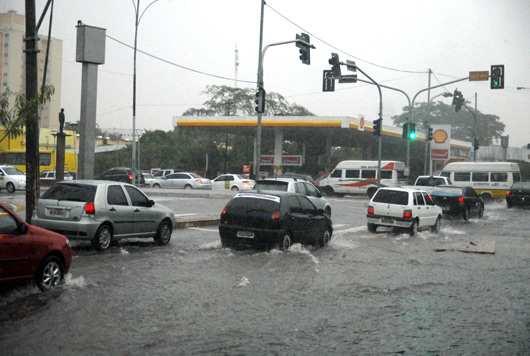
122,174
12,179
456,201
275,219
294,185
233,182
29,252
403,208
100,212
518,195
149,179
158,173
50,176
301,176
183,180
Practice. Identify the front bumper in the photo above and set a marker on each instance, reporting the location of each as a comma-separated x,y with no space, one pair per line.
84,229
389,221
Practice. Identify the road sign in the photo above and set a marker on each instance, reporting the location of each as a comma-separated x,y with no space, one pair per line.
481,75
328,81
350,78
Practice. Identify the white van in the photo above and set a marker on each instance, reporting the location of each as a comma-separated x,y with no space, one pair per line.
489,179
354,177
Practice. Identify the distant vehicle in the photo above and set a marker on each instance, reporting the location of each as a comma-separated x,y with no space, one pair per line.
182,180
122,174
305,177
432,181
294,185
359,177
100,212
456,201
277,219
489,179
50,175
29,252
404,208
232,182
12,179
157,173
518,195
148,179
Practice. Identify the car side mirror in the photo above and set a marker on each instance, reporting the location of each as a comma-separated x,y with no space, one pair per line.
320,211
150,203
318,195
22,228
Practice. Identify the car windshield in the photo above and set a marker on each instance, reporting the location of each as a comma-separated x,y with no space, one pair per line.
194,175
71,192
388,196
12,171
271,185
430,181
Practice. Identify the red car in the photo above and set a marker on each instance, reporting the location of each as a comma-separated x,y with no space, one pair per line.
30,252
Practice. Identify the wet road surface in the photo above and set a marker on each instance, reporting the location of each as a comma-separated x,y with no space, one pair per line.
365,293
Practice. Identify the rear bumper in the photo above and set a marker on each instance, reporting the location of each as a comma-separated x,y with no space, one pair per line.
395,222
263,238
75,230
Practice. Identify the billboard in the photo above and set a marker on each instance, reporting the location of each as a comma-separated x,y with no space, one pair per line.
441,142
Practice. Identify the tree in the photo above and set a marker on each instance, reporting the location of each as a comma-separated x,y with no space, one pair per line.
462,123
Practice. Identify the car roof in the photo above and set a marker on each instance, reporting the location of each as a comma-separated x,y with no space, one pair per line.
401,189
284,179
92,182
257,194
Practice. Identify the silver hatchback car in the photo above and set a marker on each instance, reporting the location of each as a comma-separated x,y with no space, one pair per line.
103,211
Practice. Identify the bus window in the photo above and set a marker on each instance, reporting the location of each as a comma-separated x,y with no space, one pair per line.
499,177
368,173
336,173
401,175
386,174
446,174
462,176
479,177
352,173
516,177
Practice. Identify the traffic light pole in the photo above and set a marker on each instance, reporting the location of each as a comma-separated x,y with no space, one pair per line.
380,137
257,149
475,127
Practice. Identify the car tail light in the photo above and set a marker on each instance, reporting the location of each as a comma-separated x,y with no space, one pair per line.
224,212
90,208
509,194
407,215
276,215
461,199
130,177
371,211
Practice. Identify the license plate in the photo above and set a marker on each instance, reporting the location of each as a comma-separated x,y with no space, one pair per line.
245,234
63,213
388,220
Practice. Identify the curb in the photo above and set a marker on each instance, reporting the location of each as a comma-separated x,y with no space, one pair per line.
185,223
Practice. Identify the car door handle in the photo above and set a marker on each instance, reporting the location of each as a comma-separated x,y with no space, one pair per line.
112,209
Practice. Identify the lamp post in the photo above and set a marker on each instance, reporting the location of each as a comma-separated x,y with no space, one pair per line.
523,88
138,17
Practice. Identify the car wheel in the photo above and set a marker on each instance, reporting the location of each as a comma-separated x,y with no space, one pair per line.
465,214
163,233
413,230
187,186
10,187
481,211
286,242
103,238
234,189
372,227
156,186
50,275
436,227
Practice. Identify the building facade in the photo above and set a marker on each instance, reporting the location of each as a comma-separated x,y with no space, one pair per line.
13,65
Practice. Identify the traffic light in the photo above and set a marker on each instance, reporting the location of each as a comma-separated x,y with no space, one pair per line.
260,100
335,65
497,77
411,131
302,42
475,144
377,127
405,133
458,100
429,133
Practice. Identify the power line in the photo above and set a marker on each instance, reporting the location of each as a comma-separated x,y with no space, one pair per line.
178,65
439,82
340,50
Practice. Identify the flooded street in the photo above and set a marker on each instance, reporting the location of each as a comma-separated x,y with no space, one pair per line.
363,294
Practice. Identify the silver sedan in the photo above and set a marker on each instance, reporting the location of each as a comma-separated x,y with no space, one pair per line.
103,211
182,180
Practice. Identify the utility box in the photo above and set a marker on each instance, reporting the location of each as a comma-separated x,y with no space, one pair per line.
90,44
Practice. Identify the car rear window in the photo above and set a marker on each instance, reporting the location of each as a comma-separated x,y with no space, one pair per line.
272,185
245,205
71,192
447,192
391,197
430,181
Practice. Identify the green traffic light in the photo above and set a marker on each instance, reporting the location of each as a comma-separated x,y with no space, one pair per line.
412,135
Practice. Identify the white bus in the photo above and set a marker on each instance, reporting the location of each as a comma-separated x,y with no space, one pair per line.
489,179
354,177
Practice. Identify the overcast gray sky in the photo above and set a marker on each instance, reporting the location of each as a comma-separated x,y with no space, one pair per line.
451,37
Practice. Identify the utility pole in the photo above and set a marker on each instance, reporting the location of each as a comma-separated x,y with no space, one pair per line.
133,165
257,150
475,130
32,118
426,163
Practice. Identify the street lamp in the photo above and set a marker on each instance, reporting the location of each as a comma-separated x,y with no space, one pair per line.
523,88
138,17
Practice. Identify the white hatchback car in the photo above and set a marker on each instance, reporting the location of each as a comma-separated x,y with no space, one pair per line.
233,182
12,179
405,208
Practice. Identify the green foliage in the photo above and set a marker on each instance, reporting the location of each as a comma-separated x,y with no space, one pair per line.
488,126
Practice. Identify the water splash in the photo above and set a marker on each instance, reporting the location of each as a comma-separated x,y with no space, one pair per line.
77,282
299,249
243,282
214,245
123,251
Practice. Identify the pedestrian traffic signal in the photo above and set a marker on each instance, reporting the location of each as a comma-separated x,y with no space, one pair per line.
377,127
260,100
458,100
497,76
335,65
302,42
429,133
411,131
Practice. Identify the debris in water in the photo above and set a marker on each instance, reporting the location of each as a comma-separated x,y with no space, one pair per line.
243,282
